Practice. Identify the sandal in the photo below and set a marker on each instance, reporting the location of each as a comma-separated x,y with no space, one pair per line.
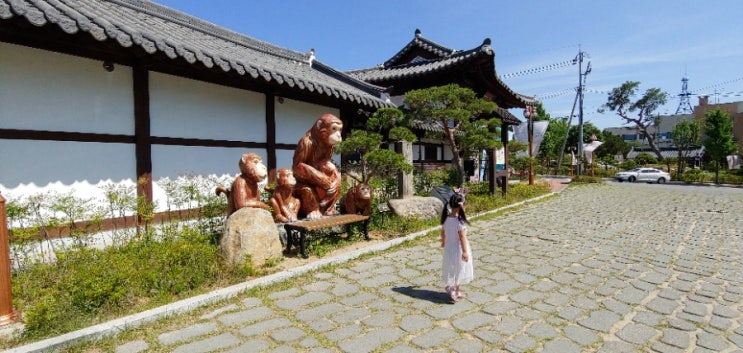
461,295
452,293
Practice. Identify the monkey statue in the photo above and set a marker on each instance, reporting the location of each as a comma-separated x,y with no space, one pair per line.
283,202
357,200
244,191
318,180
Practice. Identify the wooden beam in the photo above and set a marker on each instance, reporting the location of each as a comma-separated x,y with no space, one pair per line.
271,131
143,143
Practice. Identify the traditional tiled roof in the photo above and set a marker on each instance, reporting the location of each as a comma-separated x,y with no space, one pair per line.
500,113
422,58
157,29
668,152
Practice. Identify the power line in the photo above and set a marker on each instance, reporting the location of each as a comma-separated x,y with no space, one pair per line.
540,69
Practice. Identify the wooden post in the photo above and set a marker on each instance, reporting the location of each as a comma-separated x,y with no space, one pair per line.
405,187
8,315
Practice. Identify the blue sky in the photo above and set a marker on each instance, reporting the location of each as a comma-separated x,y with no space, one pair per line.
654,42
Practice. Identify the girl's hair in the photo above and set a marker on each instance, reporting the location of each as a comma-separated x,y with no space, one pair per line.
455,201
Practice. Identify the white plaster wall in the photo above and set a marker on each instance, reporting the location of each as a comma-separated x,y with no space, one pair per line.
294,118
36,167
284,159
181,107
42,90
174,161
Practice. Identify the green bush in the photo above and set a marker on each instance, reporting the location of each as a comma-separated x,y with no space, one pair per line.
696,176
645,158
628,164
88,282
425,181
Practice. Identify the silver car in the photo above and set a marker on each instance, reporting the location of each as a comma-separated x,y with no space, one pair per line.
650,175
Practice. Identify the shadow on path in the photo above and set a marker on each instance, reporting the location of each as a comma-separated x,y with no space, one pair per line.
425,294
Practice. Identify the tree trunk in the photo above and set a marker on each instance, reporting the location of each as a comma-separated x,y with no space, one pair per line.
456,159
653,146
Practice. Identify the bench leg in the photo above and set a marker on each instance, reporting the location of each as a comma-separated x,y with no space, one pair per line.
303,244
366,229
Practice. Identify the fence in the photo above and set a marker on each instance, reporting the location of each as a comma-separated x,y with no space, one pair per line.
8,315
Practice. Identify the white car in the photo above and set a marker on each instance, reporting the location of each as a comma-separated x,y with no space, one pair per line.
650,175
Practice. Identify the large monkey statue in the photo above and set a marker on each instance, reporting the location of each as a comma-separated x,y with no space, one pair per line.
285,206
318,180
244,191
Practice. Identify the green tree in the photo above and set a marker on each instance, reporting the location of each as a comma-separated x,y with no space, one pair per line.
457,111
686,135
613,145
554,139
718,141
621,101
384,126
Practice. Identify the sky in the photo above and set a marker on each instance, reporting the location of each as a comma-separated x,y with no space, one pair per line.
654,42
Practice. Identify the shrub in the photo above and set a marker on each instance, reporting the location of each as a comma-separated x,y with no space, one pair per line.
696,176
628,164
425,181
88,282
644,158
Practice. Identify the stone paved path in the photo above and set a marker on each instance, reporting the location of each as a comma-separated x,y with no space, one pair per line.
604,268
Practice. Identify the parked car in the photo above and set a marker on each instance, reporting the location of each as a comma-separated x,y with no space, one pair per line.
650,175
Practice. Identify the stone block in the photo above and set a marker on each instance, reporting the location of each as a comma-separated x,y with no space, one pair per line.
251,231
417,207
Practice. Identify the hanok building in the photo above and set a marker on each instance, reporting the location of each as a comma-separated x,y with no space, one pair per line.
423,63
99,92
96,92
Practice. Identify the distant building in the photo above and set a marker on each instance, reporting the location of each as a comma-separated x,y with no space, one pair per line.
734,110
664,131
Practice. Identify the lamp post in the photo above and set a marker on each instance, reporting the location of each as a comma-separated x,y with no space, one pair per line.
530,113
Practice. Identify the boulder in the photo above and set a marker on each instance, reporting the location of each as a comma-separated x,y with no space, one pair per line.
417,207
250,231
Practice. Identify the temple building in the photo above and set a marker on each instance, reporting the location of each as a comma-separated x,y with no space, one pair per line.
423,63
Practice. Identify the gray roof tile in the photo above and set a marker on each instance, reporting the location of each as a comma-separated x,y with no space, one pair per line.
155,28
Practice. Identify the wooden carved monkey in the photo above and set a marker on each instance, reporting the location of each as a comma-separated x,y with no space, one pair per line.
357,200
285,206
318,180
244,191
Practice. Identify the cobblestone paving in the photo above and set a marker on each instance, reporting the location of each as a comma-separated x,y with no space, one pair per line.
610,268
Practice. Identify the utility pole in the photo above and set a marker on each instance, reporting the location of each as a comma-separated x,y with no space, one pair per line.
581,77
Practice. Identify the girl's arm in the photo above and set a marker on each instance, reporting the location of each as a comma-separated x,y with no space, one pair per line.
463,244
443,237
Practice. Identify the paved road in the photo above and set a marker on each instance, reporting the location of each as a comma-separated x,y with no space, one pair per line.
603,268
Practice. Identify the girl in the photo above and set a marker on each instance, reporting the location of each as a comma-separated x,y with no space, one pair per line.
457,263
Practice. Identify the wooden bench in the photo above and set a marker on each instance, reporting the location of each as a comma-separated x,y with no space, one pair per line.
301,228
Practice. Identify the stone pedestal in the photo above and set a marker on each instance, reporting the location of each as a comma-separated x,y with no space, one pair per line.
251,231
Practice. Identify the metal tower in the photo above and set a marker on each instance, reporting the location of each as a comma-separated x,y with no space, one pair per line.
684,104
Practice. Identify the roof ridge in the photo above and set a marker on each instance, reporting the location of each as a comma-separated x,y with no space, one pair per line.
197,24
348,79
422,43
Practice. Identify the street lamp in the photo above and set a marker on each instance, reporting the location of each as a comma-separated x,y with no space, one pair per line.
530,113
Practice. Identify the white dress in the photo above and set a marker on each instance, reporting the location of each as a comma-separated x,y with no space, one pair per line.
454,270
